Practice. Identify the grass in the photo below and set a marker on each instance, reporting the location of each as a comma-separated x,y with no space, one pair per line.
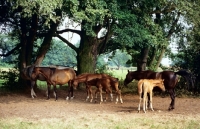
106,121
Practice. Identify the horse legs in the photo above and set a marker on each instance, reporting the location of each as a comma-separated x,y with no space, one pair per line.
32,91
172,95
150,101
144,102
90,92
70,91
48,90
140,99
97,90
101,98
120,97
55,92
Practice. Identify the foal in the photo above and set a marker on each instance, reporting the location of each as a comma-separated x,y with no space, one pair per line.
106,84
146,86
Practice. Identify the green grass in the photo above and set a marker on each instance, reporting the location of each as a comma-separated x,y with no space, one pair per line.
121,73
105,121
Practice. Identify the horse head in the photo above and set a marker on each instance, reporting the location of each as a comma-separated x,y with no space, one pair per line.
128,78
74,83
160,83
26,72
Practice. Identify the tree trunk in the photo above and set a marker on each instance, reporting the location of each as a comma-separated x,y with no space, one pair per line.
141,65
46,44
152,58
87,55
160,58
26,42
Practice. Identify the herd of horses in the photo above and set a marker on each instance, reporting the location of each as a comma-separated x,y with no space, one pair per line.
149,79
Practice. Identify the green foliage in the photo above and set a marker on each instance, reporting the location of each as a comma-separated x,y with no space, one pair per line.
103,69
60,54
42,8
10,79
118,58
130,89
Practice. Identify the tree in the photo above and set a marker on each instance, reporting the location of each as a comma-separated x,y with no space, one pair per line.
119,58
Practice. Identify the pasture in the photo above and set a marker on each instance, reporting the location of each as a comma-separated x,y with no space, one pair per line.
20,111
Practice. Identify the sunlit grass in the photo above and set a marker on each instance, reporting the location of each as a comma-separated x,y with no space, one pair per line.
105,121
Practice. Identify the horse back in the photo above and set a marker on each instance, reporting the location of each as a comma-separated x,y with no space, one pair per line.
170,79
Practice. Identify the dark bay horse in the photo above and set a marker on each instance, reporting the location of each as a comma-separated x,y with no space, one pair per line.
26,73
170,80
85,78
55,76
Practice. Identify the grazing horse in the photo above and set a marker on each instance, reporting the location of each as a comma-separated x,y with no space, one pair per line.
170,80
55,76
146,86
85,78
106,84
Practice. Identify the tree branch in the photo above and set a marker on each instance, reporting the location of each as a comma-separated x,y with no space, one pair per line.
172,29
67,42
69,30
11,51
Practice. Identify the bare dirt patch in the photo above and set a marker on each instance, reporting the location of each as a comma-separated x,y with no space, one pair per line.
23,106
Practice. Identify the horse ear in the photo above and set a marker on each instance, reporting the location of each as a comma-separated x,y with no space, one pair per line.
128,71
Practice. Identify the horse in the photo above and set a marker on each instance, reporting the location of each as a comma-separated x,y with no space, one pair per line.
26,73
146,86
106,84
170,80
85,78
55,76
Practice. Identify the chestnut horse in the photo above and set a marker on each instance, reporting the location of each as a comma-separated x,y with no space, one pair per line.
55,76
85,78
146,86
106,84
170,80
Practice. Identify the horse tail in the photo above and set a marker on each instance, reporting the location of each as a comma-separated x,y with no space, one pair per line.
188,77
30,70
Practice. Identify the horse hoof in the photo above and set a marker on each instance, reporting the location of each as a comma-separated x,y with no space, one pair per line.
72,98
67,98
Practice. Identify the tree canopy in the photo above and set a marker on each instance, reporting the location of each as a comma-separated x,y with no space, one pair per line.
143,29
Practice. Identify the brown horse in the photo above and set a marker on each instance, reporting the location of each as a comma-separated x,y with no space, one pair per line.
26,73
107,84
85,78
170,80
146,86
55,76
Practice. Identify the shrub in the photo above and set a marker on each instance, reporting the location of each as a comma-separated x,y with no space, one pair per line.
9,79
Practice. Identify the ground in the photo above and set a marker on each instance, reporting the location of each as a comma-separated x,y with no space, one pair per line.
23,106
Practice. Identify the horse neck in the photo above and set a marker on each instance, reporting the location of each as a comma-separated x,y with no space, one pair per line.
80,79
46,71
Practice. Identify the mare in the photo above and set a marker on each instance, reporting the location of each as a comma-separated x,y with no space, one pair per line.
84,78
55,76
106,84
170,80
146,86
